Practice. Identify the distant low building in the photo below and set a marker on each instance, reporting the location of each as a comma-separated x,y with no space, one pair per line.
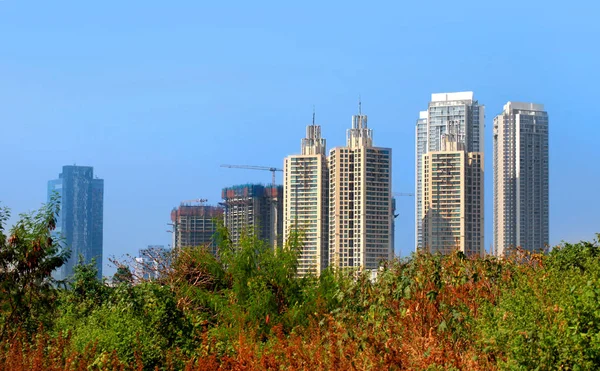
150,262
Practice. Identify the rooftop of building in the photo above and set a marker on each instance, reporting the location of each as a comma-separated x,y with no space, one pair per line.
196,210
523,106
446,97
250,190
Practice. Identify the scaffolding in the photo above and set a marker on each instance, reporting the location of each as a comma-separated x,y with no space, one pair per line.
254,208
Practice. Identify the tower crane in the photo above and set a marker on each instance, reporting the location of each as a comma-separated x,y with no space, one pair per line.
252,167
274,200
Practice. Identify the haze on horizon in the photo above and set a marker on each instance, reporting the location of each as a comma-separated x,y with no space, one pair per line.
156,96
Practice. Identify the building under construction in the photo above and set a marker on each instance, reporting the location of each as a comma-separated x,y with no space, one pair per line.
195,225
254,208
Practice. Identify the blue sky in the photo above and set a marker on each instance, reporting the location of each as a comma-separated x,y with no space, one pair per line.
156,95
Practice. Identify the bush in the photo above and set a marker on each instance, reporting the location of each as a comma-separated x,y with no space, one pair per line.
548,316
246,308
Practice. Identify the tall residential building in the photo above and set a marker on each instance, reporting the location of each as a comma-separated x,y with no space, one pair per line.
306,201
459,110
452,192
80,220
421,147
360,200
195,225
254,208
521,205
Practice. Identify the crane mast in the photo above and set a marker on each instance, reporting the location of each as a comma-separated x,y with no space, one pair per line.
273,170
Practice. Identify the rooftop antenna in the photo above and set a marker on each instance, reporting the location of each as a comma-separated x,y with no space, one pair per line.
359,105
313,115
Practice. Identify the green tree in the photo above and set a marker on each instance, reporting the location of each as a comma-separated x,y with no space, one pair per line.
122,275
27,259
548,314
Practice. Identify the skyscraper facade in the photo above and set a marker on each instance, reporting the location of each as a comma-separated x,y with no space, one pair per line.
521,177
305,208
453,199
459,110
195,225
80,221
254,208
360,200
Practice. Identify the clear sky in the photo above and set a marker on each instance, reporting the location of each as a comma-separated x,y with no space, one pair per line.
155,95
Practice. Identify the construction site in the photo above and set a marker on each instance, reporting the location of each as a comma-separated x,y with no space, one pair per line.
255,209
195,225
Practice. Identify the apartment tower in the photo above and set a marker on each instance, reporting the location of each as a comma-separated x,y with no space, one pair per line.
360,200
305,208
81,218
452,191
195,225
254,208
521,202
462,112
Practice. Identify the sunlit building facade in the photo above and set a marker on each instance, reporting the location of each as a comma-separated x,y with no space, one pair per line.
521,178
459,110
453,199
360,200
306,201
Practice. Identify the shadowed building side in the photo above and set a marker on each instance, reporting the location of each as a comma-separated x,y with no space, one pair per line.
453,199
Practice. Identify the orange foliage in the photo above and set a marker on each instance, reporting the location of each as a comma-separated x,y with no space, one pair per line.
411,336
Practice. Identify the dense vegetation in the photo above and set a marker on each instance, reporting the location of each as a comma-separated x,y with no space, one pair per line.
247,310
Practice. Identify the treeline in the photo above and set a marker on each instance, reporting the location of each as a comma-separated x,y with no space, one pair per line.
248,310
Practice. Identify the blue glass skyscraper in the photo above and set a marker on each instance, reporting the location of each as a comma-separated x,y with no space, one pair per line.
80,221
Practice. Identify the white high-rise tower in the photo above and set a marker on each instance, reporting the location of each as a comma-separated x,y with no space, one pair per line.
306,204
521,177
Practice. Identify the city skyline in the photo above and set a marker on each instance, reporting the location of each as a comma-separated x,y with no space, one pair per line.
361,135
155,99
